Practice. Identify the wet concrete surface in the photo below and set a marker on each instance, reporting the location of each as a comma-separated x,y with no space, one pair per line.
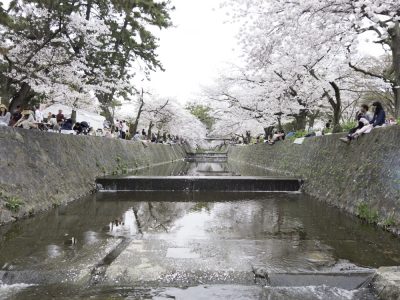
188,244
176,245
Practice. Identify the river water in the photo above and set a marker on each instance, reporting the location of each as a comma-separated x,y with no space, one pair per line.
169,245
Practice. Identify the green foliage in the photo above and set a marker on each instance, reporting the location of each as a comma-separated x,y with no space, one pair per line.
298,134
122,167
365,212
389,221
348,125
202,113
13,203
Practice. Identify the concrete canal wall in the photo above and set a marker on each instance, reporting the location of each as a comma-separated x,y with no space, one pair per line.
39,170
362,178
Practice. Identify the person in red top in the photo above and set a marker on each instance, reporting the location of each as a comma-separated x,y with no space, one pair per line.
60,117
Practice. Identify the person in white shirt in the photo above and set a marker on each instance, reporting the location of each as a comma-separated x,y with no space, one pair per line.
53,123
136,137
38,115
5,115
124,129
27,121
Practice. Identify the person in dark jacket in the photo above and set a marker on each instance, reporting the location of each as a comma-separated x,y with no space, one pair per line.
379,115
16,116
78,128
67,125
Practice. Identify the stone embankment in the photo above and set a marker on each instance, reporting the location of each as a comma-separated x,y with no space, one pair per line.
39,170
362,178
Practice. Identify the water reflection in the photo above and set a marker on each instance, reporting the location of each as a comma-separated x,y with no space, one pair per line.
184,168
282,231
53,251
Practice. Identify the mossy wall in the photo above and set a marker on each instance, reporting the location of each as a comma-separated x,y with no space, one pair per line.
39,169
362,178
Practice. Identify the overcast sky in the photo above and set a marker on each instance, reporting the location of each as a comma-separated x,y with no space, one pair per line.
194,50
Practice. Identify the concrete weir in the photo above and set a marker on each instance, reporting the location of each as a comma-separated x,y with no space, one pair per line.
207,157
208,183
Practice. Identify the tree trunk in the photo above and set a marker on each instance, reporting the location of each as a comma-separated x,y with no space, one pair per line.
312,117
134,126
88,9
280,123
105,104
22,98
268,131
337,108
149,130
73,116
300,120
248,137
395,46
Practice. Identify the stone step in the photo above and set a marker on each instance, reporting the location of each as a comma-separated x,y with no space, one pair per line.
207,183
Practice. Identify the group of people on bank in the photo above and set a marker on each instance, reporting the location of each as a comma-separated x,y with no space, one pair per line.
34,119
366,121
367,118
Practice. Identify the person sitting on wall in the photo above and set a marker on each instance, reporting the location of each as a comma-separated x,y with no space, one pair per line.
123,129
108,134
377,121
5,115
362,119
38,114
60,117
391,121
91,131
328,125
366,128
67,125
379,115
99,132
16,116
27,121
85,126
136,137
53,123
278,136
49,116
78,128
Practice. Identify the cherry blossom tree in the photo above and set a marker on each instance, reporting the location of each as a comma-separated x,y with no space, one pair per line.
41,59
80,51
243,102
293,35
163,116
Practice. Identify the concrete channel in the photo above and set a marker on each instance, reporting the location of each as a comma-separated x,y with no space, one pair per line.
218,237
